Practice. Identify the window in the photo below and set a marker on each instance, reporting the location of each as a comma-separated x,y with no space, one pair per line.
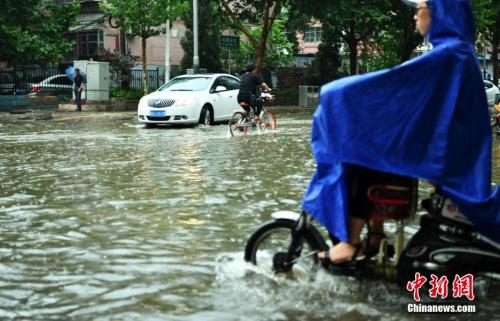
186,84
487,85
231,83
218,82
313,34
88,42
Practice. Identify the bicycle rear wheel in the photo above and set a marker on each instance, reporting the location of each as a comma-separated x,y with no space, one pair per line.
267,248
268,121
238,124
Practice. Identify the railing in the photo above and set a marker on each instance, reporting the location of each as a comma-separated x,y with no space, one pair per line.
135,81
43,80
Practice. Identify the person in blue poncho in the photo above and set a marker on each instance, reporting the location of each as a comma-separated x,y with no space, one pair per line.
427,118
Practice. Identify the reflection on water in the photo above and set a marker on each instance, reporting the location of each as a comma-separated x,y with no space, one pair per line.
102,219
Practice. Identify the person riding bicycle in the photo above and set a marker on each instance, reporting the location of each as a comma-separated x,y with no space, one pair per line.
427,118
247,96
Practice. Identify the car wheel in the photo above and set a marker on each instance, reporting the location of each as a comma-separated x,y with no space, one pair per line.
206,117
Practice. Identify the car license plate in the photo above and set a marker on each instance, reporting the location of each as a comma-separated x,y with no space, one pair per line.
157,113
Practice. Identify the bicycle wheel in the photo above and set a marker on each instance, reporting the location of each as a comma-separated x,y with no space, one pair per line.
268,121
268,246
238,124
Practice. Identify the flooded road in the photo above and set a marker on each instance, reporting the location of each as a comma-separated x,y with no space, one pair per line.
102,219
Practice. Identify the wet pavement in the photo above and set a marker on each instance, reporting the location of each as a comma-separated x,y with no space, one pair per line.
102,219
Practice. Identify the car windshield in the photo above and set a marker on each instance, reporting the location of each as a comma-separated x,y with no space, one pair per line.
186,84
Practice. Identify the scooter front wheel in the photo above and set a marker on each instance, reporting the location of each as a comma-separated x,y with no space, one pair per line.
267,248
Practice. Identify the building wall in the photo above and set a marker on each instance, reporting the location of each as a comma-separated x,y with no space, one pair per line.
155,46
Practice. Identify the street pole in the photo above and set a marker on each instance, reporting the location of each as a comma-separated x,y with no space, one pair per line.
229,64
167,52
196,58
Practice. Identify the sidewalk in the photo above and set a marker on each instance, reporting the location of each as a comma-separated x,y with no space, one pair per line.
92,113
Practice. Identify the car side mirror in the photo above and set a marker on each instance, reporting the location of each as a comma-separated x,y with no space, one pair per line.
220,88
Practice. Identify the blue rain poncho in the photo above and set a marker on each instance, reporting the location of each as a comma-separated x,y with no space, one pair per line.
427,118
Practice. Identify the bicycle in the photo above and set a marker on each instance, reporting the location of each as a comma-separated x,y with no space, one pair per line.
241,122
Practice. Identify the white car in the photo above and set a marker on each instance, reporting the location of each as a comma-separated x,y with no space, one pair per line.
491,92
191,99
53,85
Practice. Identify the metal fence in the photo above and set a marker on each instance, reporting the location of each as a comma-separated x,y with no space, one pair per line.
42,80
155,80
47,80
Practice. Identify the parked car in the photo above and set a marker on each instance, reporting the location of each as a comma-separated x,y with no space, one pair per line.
191,99
491,92
53,85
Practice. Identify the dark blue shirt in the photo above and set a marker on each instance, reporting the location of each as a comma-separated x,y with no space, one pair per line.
79,80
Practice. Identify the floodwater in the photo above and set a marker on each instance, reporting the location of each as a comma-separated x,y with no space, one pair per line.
102,219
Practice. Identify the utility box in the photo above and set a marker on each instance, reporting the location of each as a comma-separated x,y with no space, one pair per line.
97,76
308,96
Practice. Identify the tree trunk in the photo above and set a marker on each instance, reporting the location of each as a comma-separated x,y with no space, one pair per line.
352,43
144,67
353,57
261,52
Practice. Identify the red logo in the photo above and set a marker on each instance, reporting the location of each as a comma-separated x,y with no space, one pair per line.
416,285
439,287
462,286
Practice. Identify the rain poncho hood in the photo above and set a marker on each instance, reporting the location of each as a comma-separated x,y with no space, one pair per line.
427,118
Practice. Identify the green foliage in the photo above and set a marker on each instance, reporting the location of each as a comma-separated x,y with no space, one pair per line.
279,49
247,13
119,64
143,17
325,66
33,31
210,23
375,33
487,13
131,94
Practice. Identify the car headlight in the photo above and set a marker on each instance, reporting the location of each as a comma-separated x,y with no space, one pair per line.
183,102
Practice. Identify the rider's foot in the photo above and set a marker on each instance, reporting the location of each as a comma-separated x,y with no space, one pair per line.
340,253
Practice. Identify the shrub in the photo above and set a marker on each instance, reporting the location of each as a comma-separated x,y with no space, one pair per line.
131,94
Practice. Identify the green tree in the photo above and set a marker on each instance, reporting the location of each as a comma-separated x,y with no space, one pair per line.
119,64
143,18
245,13
356,22
396,41
486,13
33,31
279,48
325,66
211,22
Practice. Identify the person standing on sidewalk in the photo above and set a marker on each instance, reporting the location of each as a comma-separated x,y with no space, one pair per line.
79,82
